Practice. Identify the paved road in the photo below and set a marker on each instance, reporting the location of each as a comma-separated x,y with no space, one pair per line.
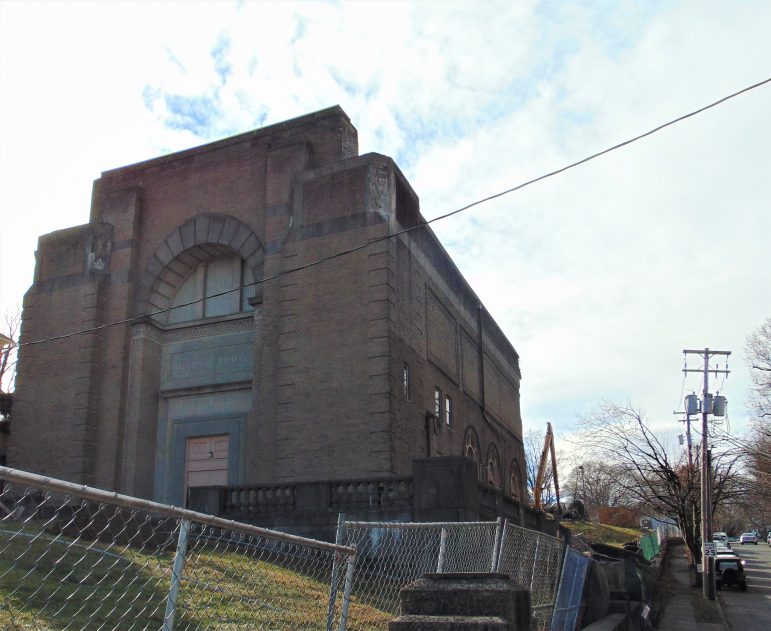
750,610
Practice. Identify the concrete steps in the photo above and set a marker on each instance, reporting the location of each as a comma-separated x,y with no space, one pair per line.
448,623
463,602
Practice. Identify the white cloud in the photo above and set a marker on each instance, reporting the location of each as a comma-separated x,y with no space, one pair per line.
599,276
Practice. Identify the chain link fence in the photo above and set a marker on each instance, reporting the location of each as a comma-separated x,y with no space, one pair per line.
391,555
76,558
533,560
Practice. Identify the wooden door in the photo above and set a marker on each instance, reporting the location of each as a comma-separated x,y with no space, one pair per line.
206,463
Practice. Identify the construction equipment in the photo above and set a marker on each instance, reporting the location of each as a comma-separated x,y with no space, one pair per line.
548,447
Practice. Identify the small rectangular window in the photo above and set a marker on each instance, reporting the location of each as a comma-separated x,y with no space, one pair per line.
406,379
448,411
438,403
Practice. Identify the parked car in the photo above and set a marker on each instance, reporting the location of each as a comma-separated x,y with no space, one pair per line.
721,538
729,571
748,537
721,549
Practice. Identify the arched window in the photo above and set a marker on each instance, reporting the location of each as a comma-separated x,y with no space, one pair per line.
515,481
201,242
493,467
471,450
215,287
471,445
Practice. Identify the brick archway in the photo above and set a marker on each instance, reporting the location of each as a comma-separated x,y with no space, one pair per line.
203,237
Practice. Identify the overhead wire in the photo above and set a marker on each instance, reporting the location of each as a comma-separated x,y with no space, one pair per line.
418,226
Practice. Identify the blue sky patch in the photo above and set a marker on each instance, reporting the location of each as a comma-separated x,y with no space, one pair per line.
219,53
193,113
150,94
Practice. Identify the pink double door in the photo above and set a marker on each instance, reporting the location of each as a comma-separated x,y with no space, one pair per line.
206,461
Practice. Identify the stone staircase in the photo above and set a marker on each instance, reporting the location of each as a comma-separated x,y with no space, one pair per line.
463,602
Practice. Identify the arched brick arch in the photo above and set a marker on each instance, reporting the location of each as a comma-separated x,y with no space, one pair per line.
471,449
204,237
515,480
493,466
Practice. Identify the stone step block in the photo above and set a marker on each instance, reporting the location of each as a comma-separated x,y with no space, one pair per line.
448,623
465,594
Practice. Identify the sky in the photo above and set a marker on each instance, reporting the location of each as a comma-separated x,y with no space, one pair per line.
599,276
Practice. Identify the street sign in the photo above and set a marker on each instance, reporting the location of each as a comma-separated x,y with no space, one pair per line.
710,549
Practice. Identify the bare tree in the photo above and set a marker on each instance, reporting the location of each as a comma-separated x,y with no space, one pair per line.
758,352
757,447
651,476
596,484
9,328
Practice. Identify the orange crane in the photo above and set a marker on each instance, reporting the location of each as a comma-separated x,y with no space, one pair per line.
548,447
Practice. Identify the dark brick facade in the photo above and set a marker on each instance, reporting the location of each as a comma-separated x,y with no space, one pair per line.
308,381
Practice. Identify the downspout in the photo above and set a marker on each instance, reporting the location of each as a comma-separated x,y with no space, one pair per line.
428,435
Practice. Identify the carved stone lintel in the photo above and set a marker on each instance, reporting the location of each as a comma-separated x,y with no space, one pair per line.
159,333
209,329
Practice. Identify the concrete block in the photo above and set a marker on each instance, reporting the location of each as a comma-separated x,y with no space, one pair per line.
448,623
467,594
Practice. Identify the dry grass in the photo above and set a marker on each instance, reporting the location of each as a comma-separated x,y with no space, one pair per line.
598,533
52,583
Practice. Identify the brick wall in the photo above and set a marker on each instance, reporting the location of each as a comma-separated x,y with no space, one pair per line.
330,342
436,329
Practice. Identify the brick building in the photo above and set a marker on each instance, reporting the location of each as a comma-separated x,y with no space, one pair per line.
349,369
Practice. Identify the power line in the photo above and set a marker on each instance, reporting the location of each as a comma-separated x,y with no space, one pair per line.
424,224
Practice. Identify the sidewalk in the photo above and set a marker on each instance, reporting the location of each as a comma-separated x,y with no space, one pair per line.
685,608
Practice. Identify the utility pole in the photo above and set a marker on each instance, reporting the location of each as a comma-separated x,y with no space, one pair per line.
707,562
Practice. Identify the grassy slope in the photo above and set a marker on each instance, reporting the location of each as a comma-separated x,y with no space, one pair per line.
49,583
597,533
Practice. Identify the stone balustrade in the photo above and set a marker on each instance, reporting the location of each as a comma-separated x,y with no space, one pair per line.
257,499
440,489
355,496
372,495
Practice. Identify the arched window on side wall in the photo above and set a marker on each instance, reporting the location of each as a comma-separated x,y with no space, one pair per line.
515,481
493,467
471,450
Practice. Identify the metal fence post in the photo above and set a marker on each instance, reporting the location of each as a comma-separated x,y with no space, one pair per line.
347,592
501,546
176,575
442,550
494,562
339,536
535,560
